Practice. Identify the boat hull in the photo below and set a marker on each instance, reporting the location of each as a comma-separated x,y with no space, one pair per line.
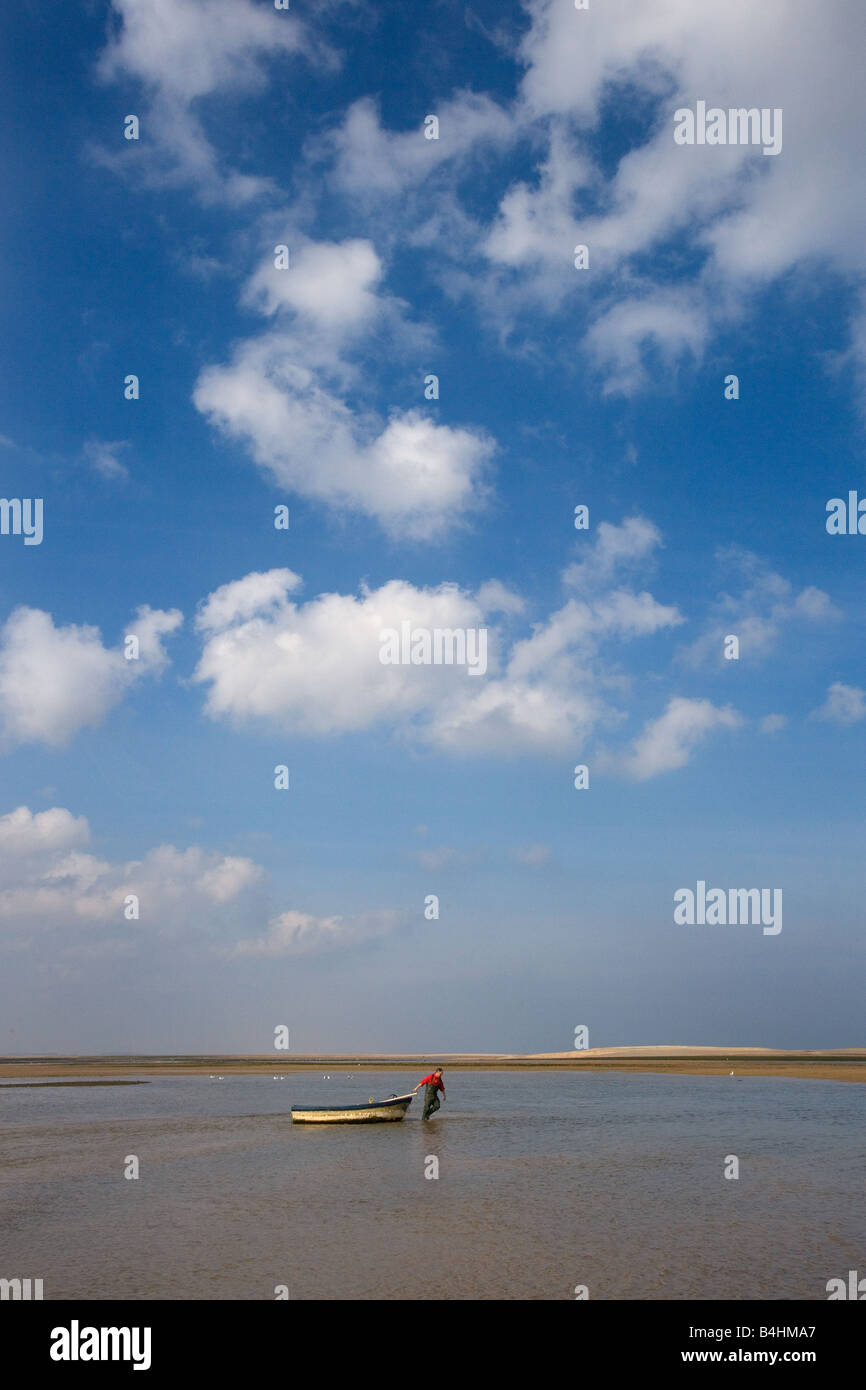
376,1112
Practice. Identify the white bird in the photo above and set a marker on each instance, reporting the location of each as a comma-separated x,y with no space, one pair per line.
732,1073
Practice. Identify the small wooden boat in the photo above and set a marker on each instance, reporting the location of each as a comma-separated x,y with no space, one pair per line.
375,1111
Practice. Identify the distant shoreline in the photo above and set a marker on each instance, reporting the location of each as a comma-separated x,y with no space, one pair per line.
844,1064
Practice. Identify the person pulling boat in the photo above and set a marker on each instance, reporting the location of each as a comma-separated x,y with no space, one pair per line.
433,1083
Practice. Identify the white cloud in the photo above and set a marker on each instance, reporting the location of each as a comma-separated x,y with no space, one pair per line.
315,668
367,159
734,219
24,832
150,625
495,597
533,856
535,223
612,548
670,322
415,477
845,704
330,283
103,455
183,52
283,397
667,742
757,615
772,723
518,716
580,624
55,681
756,220
50,882
815,605
300,934
259,593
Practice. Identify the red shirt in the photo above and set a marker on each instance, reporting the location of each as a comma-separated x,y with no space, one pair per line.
432,1081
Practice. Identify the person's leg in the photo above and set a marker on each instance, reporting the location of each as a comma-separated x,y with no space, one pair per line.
429,1101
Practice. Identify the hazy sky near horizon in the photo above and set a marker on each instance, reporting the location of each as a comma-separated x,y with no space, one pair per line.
308,387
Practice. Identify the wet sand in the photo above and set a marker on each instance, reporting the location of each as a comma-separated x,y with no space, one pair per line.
845,1064
547,1178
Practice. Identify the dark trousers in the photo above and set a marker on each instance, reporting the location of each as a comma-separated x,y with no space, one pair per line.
431,1101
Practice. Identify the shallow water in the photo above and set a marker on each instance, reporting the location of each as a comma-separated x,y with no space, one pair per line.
547,1180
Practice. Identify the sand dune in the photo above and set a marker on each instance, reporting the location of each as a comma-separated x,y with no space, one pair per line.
683,1050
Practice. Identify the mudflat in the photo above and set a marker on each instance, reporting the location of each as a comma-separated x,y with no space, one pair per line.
844,1064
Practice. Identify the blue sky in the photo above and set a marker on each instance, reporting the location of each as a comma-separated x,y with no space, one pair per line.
305,387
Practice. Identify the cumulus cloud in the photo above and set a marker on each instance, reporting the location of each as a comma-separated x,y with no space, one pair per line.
670,323
611,549
734,219
315,667
535,223
257,593
282,397
667,742
184,52
55,681
367,159
845,704
52,832
330,283
413,476
747,218
52,882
